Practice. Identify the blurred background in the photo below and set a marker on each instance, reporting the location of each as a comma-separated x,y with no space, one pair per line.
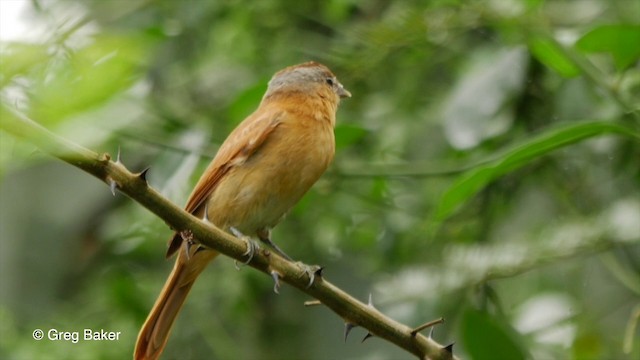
487,171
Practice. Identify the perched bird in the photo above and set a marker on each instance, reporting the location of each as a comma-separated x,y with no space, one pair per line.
262,169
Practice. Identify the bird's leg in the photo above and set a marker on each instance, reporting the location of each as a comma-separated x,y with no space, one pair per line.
252,246
265,236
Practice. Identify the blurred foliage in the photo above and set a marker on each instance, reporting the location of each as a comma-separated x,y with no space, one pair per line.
488,171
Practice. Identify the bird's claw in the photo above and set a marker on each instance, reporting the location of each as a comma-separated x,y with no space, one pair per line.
311,271
276,281
252,246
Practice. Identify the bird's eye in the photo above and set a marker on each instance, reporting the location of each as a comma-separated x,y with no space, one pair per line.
330,81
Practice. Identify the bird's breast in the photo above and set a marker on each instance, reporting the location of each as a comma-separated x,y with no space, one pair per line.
257,193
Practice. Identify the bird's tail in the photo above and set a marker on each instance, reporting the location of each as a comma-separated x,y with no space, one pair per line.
155,332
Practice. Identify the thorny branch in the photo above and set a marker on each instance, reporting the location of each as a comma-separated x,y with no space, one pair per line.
117,176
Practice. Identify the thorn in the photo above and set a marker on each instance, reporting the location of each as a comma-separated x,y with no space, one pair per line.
276,279
112,186
118,156
347,329
426,325
370,302
142,175
431,332
449,348
369,335
312,303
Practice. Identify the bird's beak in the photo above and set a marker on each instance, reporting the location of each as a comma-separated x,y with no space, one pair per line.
342,92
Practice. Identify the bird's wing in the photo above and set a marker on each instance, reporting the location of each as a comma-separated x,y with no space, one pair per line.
239,146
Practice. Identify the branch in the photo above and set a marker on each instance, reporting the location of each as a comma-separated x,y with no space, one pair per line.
134,185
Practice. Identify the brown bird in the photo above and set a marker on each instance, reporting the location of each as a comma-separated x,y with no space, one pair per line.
261,170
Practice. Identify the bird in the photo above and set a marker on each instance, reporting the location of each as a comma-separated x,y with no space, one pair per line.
261,170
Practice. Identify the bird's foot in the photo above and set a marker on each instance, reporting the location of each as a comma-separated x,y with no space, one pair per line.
252,246
312,271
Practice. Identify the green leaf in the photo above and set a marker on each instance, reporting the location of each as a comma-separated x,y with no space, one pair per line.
19,58
471,182
89,77
486,338
551,54
621,41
